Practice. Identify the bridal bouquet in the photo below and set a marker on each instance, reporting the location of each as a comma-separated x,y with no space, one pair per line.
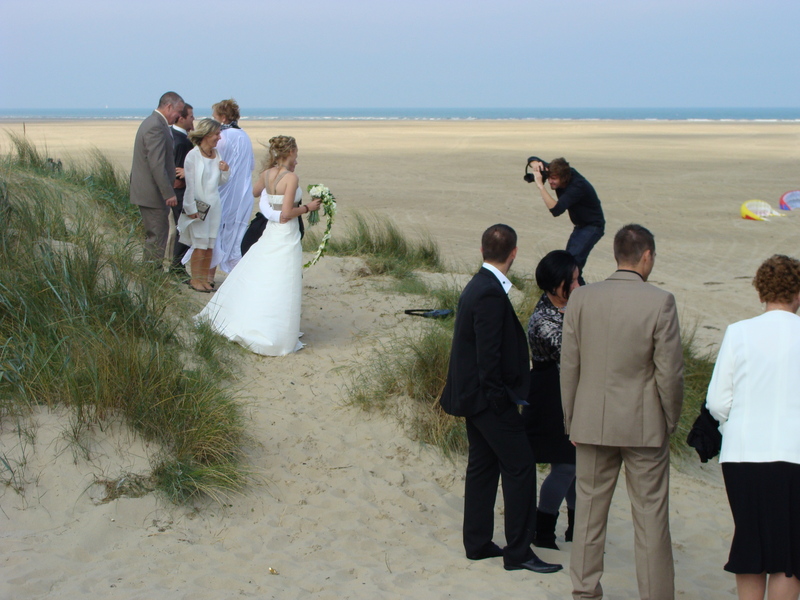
328,208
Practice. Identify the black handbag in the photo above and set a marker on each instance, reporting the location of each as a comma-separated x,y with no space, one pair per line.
705,436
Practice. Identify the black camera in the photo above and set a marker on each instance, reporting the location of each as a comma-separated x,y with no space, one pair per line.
545,169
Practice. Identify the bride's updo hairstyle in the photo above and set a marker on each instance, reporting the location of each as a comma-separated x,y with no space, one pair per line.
202,128
280,147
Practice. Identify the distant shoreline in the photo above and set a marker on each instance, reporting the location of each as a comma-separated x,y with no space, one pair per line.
761,115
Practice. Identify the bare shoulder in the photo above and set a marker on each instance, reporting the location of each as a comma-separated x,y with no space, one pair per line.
287,182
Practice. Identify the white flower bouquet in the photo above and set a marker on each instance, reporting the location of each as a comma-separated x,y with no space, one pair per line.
328,208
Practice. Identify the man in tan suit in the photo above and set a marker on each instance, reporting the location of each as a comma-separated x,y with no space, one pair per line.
622,391
153,174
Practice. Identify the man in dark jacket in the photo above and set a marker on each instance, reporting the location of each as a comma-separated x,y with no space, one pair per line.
577,197
182,147
488,378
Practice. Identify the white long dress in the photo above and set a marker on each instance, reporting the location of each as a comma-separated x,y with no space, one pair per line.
236,197
258,305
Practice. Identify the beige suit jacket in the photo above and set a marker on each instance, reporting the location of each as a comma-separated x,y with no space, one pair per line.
153,168
621,363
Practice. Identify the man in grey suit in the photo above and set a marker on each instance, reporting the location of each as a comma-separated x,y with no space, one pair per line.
153,175
622,392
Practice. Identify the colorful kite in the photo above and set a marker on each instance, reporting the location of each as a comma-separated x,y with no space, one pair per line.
758,210
790,200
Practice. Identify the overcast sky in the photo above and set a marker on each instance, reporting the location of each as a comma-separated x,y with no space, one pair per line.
408,54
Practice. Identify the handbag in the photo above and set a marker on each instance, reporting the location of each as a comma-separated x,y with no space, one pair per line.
202,209
705,436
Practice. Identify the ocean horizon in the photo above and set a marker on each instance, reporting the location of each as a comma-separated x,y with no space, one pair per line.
435,114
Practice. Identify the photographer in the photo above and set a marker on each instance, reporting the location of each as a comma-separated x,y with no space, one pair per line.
577,197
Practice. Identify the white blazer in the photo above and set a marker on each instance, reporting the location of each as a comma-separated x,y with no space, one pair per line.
755,389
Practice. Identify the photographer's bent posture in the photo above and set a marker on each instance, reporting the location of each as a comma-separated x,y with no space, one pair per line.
576,196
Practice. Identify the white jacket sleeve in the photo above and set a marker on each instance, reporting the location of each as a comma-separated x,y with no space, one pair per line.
720,390
190,167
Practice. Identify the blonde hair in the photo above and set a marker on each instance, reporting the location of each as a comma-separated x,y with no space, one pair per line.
203,128
280,147
228,109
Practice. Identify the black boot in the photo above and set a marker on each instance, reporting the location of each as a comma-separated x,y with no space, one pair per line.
570,524
545,530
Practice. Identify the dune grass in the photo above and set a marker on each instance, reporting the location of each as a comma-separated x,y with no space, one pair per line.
96,175
85,325
697,370
412,365
384,247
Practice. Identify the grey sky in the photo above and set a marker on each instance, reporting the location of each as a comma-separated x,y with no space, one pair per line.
415,53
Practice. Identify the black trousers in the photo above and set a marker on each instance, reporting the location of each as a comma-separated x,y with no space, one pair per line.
179,249
499,450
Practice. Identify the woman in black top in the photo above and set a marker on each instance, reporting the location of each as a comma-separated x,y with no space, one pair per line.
556,275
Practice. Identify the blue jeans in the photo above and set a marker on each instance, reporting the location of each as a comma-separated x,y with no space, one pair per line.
580,243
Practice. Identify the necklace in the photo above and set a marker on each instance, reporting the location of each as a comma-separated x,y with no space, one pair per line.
209,154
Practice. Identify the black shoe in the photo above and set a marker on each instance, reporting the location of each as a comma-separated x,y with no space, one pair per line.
490,550
545,536
535,564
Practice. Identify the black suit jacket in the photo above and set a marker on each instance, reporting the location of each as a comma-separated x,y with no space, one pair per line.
489,361
182,147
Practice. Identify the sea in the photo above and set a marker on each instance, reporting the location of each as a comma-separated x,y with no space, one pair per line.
437,114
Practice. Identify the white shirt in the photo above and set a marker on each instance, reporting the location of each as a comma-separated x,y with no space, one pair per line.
507,285
755,389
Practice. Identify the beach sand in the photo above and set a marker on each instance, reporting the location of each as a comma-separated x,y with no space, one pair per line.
348,506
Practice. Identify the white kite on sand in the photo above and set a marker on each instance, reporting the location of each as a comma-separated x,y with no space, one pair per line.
758,210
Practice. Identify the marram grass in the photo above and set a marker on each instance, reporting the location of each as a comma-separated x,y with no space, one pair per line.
384,247
85,325
412,364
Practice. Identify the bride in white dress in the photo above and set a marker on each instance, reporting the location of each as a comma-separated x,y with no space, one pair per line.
258,305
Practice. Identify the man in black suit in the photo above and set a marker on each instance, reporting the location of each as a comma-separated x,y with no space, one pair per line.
488,378
180,137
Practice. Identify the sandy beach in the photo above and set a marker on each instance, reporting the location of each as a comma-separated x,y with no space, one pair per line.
348,506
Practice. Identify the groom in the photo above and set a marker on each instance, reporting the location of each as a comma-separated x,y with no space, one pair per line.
487,380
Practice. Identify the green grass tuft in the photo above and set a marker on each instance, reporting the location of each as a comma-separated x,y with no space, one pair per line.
697,371
412,364
85,325
386,250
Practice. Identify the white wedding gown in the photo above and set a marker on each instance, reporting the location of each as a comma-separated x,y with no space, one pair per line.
258,304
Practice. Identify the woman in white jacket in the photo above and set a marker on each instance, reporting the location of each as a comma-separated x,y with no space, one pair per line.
755,396
199,223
